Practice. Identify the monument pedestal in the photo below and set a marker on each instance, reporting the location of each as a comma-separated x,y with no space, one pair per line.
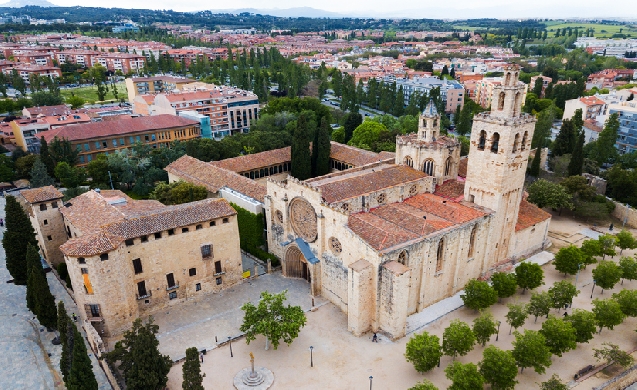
259,379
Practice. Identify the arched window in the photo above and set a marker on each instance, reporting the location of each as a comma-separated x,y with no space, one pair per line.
483,140
428,167
524,140
409,162
472,240
495,140
516,143
501,101
402,258
517,104
448,166
508,79
435,122
440,255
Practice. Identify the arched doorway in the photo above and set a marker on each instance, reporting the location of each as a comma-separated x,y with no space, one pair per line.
296,265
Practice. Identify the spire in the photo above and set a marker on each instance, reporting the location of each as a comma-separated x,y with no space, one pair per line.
430,111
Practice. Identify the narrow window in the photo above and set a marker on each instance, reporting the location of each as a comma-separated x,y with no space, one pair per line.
171,232
213,223
494,142
501,102
472,240
49,238
483,140
448,166
402,258
198,227
428,167
157,236
104,256
54,205
206,251
84,271
226,220
144,238
192,271
524,140
198,287
46,222
42,207
170,279
137,266
219,281
81,260
440,255
172,295
129,242
516,143
95,310
217,267
184,230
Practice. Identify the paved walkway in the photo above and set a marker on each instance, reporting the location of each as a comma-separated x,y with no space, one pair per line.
28,359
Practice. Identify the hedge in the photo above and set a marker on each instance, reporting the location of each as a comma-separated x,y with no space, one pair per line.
251,227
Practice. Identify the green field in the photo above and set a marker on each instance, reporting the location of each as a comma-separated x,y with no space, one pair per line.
601,30
90,93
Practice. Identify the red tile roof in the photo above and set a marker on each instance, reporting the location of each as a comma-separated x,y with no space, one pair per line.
48,110
94,130
41,194
254,161
530,215
451,189
352,155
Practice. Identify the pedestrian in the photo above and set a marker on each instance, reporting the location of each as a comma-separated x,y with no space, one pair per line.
74,317
375,338
201,356
565,314
1,222
610,228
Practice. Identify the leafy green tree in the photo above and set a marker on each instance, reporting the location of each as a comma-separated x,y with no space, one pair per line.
457,339
607,243
97,170
39,175
542,133
367,134
75,102
627,300
538,87
424,385
178,192
529,275
607,274
625,240
191,371
43,98
18,235
61,150
540,304
321,148
465,120
24,165
69,176
423,351
272,319
498,368
608,313
530,350
301,159
484,327
613,355
45,157
478,295
516,316
144,367
504,284
590,249
543,193
568,260
562,294
584,323
464,376
81,376
628,266
560,335
554,383
605,145
564,141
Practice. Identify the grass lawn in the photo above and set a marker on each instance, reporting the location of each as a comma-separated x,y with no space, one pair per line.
601,30
90,93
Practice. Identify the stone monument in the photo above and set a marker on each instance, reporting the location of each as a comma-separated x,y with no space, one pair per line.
253,379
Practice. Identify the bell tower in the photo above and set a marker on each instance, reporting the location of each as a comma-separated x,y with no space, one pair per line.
498,158
429,123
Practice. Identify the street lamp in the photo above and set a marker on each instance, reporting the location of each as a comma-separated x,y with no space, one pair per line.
230,340
577,275
311,356
370,382
594,282
497,336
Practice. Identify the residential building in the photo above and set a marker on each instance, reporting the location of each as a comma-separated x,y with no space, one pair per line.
123,62
27,133
152,85
627,135
591,107
25,70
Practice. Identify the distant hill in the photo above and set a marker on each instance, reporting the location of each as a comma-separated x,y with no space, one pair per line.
296,12
24,3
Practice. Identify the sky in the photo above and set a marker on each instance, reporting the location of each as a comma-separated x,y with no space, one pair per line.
403,8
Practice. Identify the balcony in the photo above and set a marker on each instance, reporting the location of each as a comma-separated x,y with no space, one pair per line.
148,295
170,288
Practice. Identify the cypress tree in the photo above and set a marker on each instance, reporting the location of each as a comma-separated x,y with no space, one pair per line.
18,235
605,149
322,161
192,377
64,324
81,375
45,157
352,121
564,140
39,175
301,159
45,308
535,164
577,158
33,266
464,123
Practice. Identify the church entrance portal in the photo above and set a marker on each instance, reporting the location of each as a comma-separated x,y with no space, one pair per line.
296,265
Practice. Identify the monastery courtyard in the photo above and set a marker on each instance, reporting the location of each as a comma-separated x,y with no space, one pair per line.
343,361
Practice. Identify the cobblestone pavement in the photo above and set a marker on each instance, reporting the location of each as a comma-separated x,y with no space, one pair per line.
28,359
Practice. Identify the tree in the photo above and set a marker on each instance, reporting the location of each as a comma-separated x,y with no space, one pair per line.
64,323
568,260
583,322
457,339
608,313
607,243
562,294
97,170
39,296
517,315
529,275
33,265
17,236
45,157
423,351
24,165
607,274
564,141
534,170
424,385
590,249
538,87
367,134
628,266
577,157
625,240
39,175
465,120
69,176
301,159
540,304
43,98
484,327
605,145
464,376
178,192
321,150
543,193
559,334
61,150
504,284
192,376
530,350
144,367
75,102
352,121
272,319
554,383
498,368
478,295
81,376
627,300
613,355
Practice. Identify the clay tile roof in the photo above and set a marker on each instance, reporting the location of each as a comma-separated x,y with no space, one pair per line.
109,236
529,215
400,223
41,194
93,130
462,167
386,155
48,110
214,177
351,155
337,188
451,189
250,162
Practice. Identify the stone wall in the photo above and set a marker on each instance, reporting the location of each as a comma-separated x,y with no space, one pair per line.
361,302
625,213
49,229
392,301
530,240
334,280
